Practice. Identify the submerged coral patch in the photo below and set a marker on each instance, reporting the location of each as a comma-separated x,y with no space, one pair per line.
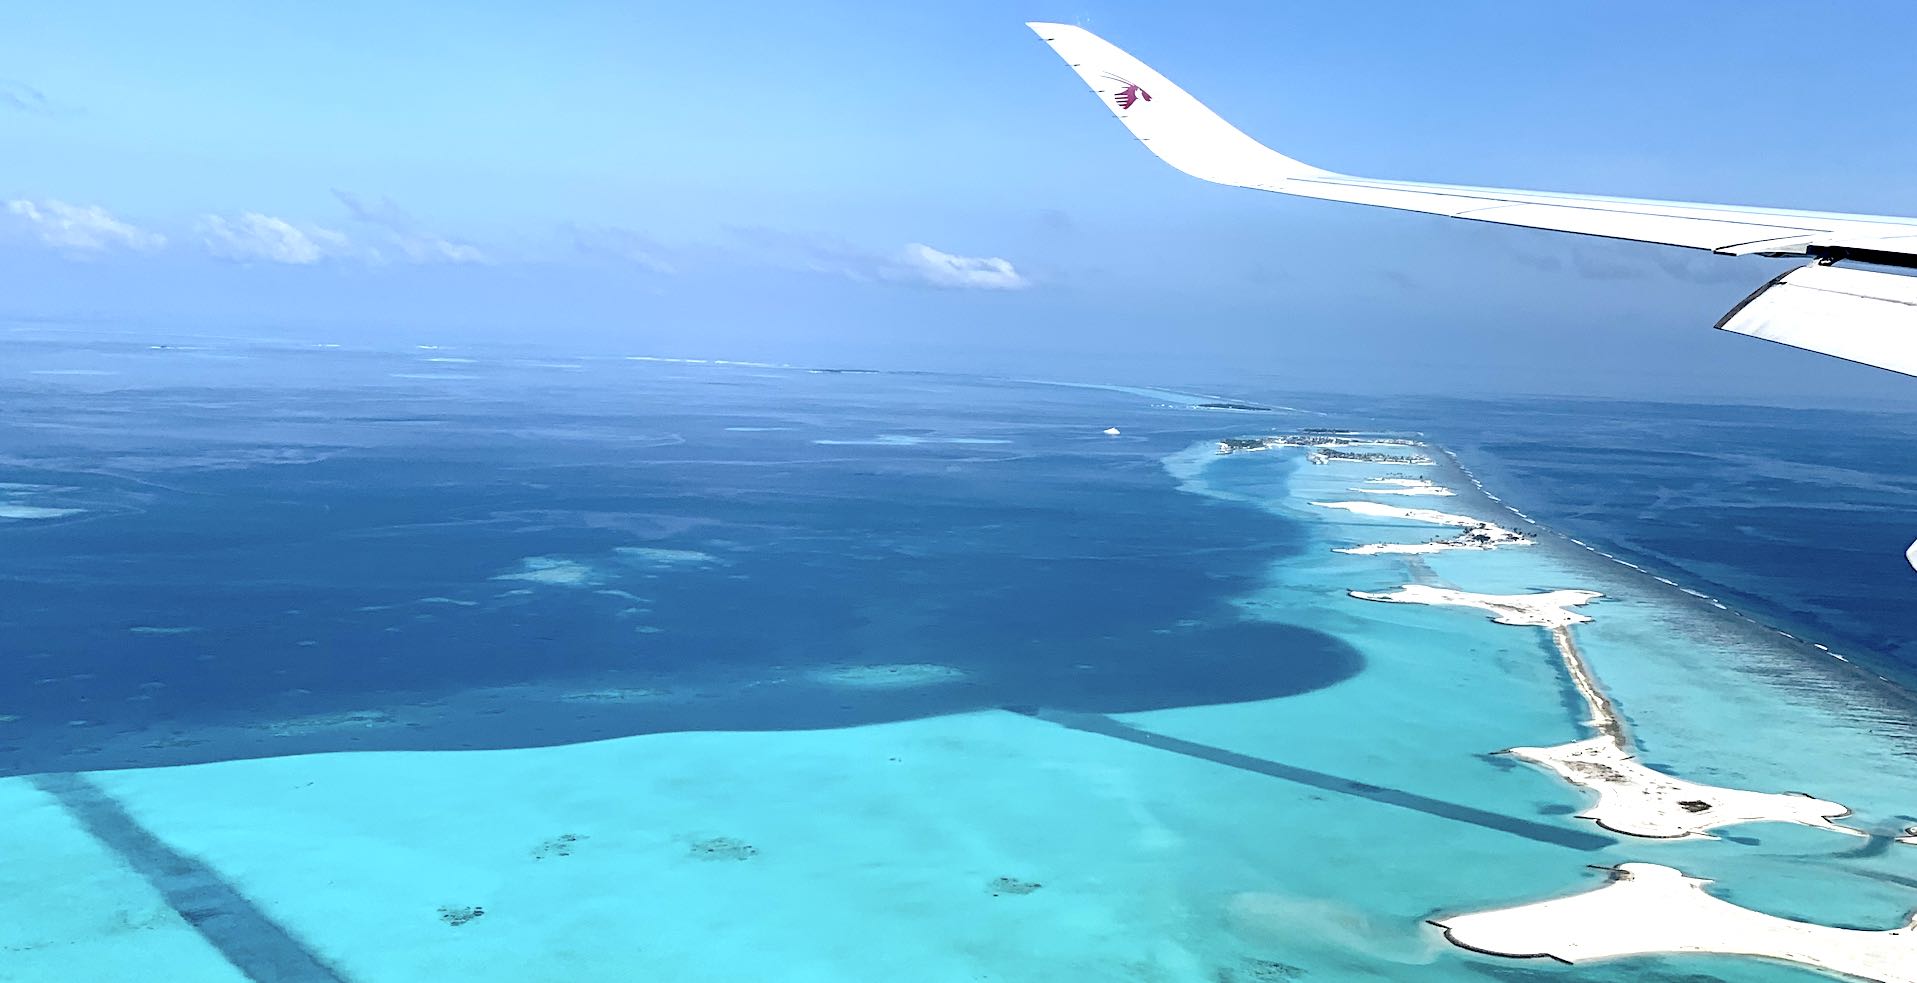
894,676
457,915
553,571
664,557
558,846
723,848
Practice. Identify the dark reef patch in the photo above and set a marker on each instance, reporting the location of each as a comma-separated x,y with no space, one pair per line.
300,555
457,915
723,848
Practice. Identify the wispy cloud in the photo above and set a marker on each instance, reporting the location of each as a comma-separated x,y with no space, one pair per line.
406,234
915,263
942,269
24,98
621,244
804,253
253,236
81,228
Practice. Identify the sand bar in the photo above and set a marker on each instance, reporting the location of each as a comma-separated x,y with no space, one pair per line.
1380,510
1476,534
1550,609
1638,801
1649,909
1403,486
1632,799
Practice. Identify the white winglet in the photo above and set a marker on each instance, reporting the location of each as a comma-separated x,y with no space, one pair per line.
1170,123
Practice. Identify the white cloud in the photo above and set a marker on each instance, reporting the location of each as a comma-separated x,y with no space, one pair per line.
619,243
916,263
81,228
25,98
251,235
405,232
942,269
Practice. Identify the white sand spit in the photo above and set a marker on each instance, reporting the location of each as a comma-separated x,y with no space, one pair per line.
1632,798
1637,801
1380,510
1651,909
1550,609
1403,486
1477,534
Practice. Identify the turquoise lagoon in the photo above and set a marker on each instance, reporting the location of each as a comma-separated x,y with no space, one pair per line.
1309,832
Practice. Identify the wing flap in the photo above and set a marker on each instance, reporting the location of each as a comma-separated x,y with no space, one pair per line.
1857,315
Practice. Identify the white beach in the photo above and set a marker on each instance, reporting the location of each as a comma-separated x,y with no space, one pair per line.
1404,486
1477,534
1649,909
1638,801
1632,799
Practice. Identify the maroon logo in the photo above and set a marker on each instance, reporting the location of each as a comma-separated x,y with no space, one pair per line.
1130,95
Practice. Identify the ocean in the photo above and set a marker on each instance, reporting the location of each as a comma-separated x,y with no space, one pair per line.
323,663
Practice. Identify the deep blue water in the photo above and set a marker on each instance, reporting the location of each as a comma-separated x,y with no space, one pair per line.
252,555
275,534
1799,518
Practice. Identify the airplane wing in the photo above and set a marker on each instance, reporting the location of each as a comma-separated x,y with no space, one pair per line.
1859,315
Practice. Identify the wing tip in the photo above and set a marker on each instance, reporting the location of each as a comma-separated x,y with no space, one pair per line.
1047,31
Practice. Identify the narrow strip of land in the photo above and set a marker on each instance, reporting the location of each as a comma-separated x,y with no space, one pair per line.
1633,798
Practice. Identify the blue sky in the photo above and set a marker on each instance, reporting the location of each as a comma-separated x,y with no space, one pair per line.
911,186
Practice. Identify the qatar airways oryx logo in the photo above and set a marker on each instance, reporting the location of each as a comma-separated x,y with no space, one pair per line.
1130,95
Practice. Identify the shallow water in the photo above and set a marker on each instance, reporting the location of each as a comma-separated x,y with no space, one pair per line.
825,676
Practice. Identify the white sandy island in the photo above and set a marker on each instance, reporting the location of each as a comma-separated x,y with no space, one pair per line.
1403,486
1631,798
1379,510
1549,609
1648,909
1635,800
1475,534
